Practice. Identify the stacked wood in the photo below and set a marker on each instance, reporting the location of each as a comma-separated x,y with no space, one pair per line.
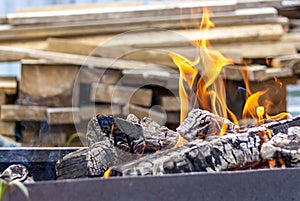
97,71
8,95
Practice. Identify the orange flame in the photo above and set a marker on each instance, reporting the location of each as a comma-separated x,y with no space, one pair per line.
107,173
209,88
251,105
260,111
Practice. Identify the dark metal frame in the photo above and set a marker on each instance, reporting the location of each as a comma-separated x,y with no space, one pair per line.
248,185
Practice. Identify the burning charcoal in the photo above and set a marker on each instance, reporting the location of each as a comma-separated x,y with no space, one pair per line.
91,161
123,134
200,123
130,136
285,146
224,153
94,132
120,141
227,152
231,151
158,137
15,172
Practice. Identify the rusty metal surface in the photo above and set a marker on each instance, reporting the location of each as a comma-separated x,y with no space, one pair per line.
259,185
40,161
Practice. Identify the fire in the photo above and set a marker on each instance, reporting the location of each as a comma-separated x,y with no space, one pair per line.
200,84
207,90
107,173
252,108
260,111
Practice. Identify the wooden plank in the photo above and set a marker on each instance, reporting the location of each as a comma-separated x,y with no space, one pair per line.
242,32
255,72
119,25
258,3
87,112
287,61
63,115
169,103
69,46
258,49
17,54
38,44
263,15
163,38
44,90
8,85
159,56
279,72
90,75
120,94
118,12
284,46
7,128
154,56
77,6
164,77
23,113
251,49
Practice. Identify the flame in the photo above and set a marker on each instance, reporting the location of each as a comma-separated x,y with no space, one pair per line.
107,173
200,84
207,90
260,111
251,106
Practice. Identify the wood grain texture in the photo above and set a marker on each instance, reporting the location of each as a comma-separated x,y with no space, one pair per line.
23,113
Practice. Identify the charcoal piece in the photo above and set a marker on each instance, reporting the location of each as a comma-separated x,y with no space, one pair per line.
15,172
284,146
132,118
91,161
130,136
158,137
123,134
201,123
94,132
224,153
